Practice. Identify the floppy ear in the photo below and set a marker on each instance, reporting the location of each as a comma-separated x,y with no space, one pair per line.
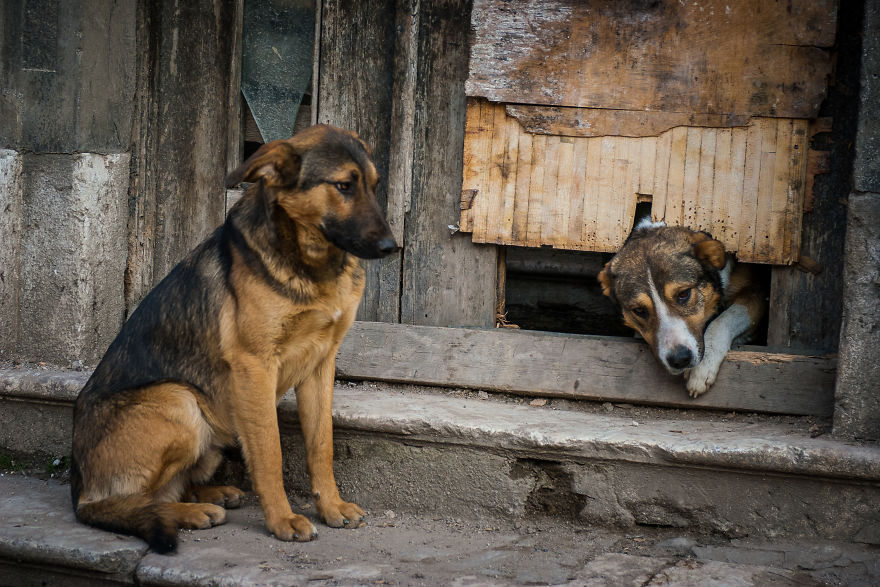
606,280
709,251
276,163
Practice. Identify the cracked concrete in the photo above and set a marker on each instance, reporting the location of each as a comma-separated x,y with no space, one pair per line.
40,540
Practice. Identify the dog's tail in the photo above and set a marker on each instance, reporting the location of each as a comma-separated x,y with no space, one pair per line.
136,515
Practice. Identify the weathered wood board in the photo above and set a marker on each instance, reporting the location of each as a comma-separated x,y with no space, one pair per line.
354,91
711,57
581,367
744,185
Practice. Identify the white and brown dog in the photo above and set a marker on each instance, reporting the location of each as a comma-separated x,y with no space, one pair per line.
685,296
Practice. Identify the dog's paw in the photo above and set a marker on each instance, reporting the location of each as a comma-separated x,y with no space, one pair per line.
292,527
701,377
341,514
225,496
199,516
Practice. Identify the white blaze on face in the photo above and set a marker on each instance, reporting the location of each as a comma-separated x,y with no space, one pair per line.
672,331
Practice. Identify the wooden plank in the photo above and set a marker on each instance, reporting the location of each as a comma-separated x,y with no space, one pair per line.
676,176
580,193
234,99
400,159
796,191
474,159
816,300
579,367
519,229
691,188
599,122
703,203
592,195
536,191
564,193
647,162
634,172
511,171
721,185
748,58
606,217
778,222
489,223
357,70
551,177
748,203
446,280
766,181
661,176
186,67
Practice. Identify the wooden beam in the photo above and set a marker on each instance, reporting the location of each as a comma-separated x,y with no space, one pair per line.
357,73
744,58
446,280
579,367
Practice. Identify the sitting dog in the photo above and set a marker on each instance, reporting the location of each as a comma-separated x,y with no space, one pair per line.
685,296
260,306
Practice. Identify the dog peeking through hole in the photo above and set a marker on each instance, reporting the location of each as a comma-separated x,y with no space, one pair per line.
259,307
686,296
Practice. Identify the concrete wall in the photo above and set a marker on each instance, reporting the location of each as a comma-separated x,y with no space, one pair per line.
857,409
66,108
114,118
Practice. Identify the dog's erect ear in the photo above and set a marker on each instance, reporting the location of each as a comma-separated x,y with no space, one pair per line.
276,163
606,280
709,251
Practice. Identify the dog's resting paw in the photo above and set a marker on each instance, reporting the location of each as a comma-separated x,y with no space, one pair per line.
225,496
199,516
293,528
341,514
700,379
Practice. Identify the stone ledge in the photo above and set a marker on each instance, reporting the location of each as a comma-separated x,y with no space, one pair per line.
543,432
41,543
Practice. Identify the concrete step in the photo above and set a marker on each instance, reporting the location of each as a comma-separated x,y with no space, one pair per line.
470,455
42,544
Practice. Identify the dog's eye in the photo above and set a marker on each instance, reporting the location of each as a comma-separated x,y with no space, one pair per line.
343,186
640,311
683,296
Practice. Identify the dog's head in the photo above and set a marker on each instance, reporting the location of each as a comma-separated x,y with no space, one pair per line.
323,177
668,283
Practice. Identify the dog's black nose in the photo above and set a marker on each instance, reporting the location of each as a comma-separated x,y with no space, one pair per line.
386,245
679,357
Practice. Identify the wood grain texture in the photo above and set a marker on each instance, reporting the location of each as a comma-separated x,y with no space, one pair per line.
447,280
180,136
581,367
713,57
598,122
357,73
744,185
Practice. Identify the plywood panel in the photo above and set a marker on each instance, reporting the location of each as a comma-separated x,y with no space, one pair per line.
712,57
744,185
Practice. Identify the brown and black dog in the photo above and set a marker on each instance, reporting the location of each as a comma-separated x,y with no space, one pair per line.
685,296
261,306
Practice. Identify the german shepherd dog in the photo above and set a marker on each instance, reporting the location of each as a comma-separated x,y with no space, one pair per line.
260,306
685,296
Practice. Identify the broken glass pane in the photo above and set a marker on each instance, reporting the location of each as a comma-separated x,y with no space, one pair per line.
277,43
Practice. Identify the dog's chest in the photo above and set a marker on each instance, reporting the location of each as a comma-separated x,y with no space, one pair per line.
307,336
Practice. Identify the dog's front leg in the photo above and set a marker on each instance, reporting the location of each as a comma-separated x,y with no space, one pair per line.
256,421
314,400
717,340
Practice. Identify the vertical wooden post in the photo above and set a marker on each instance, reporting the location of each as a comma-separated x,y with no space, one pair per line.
447,280
354,89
